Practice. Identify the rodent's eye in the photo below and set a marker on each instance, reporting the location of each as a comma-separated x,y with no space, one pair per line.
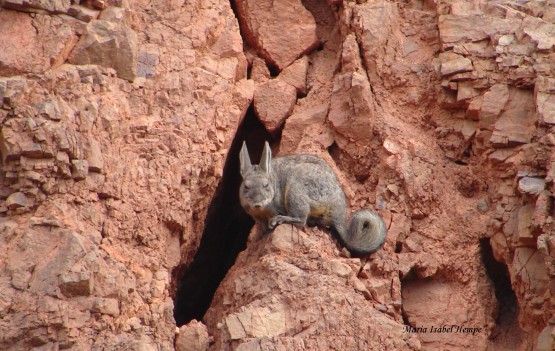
266,184
246,187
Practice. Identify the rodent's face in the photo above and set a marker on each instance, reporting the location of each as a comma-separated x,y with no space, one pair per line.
256,192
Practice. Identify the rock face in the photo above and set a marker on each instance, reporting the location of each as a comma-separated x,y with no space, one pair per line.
281,31
90,233
120,126
290,287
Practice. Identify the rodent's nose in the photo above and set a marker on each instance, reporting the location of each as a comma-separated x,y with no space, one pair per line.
257,206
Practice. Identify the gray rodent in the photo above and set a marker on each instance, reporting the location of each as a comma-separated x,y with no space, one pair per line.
298,189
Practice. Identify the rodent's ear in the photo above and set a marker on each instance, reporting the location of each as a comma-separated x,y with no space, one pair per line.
244,159
266,159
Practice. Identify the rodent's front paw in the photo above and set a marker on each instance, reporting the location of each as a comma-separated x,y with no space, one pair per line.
273,222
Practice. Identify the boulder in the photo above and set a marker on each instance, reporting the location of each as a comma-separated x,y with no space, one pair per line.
259,71
280,30
108,44
16,200
193,336
493,103
458,65
530,185
295,75
517,122
306,127
273,103
79,169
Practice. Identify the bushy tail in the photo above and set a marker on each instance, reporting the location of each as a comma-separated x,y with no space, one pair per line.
366,233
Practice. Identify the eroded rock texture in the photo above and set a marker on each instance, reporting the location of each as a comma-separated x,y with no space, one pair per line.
105,182
116,119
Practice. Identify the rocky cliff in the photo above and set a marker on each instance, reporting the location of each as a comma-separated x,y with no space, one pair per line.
120,128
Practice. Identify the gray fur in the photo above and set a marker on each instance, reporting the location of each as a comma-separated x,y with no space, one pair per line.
300,188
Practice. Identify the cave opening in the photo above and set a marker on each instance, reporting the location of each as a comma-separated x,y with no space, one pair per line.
507,333
499,276
226,230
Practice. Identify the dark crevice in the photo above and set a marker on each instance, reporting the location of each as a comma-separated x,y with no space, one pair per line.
405,317
274,71
226,230
507,333
499,276
407,279
334,151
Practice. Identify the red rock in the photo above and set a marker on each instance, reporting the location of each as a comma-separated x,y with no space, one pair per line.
299,124
112,14
163,145
517,123
273,102
523,234
79,169
192,337
453,28
475,107
83,13
543,209
50,110
93,155
458,65
30,149
493,103
259,71
546,339
530,185
352,103
107,306
530,270
541,32
545,99
110,45
280,30
99,4
54,6
374,24
36,46
351,108
466,91
17,200
295,75
265,318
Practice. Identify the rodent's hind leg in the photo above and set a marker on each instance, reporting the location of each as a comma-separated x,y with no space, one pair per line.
297,213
